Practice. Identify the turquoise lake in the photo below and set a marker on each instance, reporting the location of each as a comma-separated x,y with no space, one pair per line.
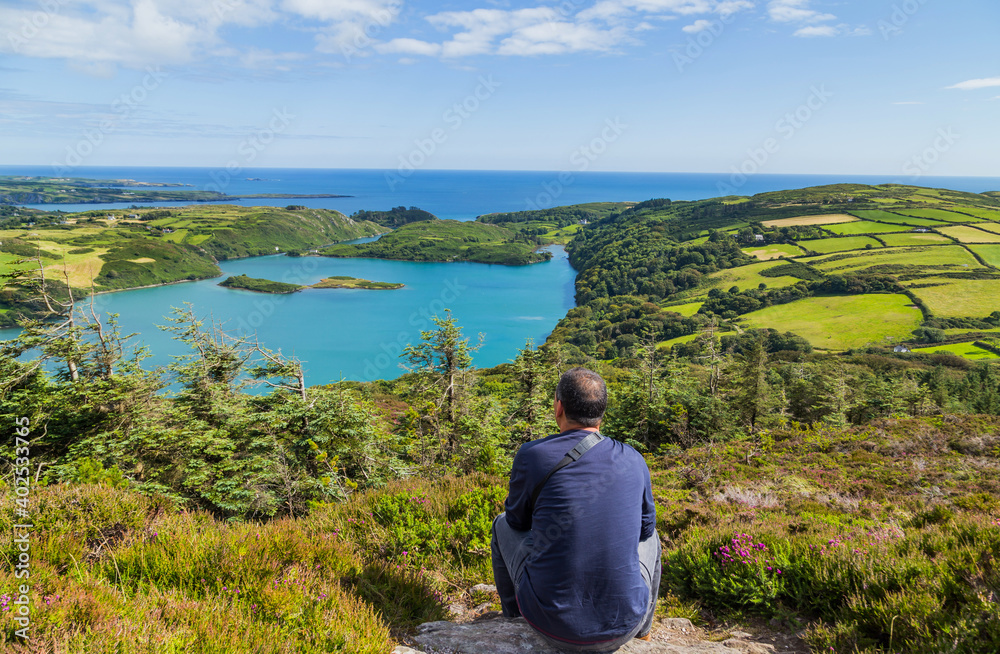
358,334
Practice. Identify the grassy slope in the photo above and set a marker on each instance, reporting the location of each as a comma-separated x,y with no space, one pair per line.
841,322
445,240
958,297
989,253
887,533
965,234
749,277
881,533
687,310
768,252
865,227
227,231
944,257
967,350
896,219
908,239
830,245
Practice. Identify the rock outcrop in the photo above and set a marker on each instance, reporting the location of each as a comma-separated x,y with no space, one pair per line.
498,635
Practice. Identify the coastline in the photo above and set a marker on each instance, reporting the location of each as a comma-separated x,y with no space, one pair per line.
136,288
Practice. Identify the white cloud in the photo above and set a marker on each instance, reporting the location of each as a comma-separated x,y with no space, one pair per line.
974,84
730,7
98,35
409,46
697,26
809,22
605,10
795,11
682,7
559,38
908,102
522,32
105,34
349,24
552,30
811,31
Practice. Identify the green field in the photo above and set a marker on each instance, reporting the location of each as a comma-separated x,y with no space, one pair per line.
686,310
749,277
983,212
561,235
913,238
989,253
830,245
938,214
969,234
896,219
944,257
841,322
966,350
864,227
961,332
776,251
676,341
960,298
989,227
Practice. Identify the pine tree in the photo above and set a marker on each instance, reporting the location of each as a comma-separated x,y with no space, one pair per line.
443,362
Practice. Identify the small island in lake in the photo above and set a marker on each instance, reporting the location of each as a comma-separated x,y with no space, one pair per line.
259,285
343,281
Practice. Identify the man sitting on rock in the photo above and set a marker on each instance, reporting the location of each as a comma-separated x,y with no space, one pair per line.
576,551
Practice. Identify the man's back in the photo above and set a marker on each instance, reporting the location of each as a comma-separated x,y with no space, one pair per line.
582,582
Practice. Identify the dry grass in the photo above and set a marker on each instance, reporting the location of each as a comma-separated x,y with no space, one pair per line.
828,219
769,252
966,234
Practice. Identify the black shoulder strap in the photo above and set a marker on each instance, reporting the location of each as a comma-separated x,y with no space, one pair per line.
581,448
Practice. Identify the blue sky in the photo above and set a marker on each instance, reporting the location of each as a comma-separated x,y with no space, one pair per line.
775,86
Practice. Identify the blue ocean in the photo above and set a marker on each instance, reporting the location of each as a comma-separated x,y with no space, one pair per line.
465,194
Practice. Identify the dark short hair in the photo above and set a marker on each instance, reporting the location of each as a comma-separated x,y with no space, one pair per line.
584,396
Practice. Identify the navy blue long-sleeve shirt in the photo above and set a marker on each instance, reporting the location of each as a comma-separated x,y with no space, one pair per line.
582,582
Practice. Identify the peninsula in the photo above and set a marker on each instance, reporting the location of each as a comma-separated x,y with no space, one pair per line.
67,190
448,240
